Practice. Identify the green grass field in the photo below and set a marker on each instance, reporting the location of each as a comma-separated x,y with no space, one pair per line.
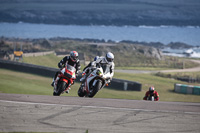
23,83
51,60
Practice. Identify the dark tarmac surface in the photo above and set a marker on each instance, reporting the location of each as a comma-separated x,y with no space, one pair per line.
37,113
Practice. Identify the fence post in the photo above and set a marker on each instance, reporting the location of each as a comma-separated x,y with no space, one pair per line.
125,85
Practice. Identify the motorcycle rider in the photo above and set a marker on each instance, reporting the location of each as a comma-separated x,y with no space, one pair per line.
105,62
150,93
72,60
91,64
88,68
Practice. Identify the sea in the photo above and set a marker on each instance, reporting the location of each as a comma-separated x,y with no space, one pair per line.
164,34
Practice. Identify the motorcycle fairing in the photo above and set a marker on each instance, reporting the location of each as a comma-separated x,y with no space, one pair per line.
67,74
87,82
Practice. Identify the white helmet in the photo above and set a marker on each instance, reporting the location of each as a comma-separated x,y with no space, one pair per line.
109,57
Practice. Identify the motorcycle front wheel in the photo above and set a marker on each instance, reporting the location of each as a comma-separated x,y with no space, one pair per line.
81,93
95,89
60,88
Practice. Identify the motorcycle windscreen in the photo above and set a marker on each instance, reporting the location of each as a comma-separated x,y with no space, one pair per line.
70,68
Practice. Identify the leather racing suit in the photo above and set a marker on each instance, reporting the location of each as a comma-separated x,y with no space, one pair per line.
101,61
149,94
67,60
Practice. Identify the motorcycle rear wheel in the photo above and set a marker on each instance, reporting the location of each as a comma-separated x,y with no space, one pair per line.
60,88
95,89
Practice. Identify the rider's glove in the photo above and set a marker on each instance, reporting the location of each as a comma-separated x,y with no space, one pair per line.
60,65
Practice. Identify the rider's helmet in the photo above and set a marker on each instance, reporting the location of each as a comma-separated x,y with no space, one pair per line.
74,55
109,57
151,89
96,57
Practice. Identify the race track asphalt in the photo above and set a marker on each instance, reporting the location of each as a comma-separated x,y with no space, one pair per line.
38,113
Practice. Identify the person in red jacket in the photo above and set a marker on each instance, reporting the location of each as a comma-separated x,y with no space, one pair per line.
151,95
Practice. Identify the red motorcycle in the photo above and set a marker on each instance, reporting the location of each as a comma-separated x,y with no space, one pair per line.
64,80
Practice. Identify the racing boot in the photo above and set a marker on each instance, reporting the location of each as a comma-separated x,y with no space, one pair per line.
81,80
67,91
52,84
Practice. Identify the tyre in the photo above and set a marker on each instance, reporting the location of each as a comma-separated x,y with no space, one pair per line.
55,94
60,88
81,93
95,89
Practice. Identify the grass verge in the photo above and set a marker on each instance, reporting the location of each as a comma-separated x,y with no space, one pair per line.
23,83
51,60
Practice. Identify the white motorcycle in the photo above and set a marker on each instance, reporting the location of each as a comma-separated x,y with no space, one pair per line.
96,80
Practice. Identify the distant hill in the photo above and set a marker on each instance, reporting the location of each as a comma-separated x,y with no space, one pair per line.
126,54
102,12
